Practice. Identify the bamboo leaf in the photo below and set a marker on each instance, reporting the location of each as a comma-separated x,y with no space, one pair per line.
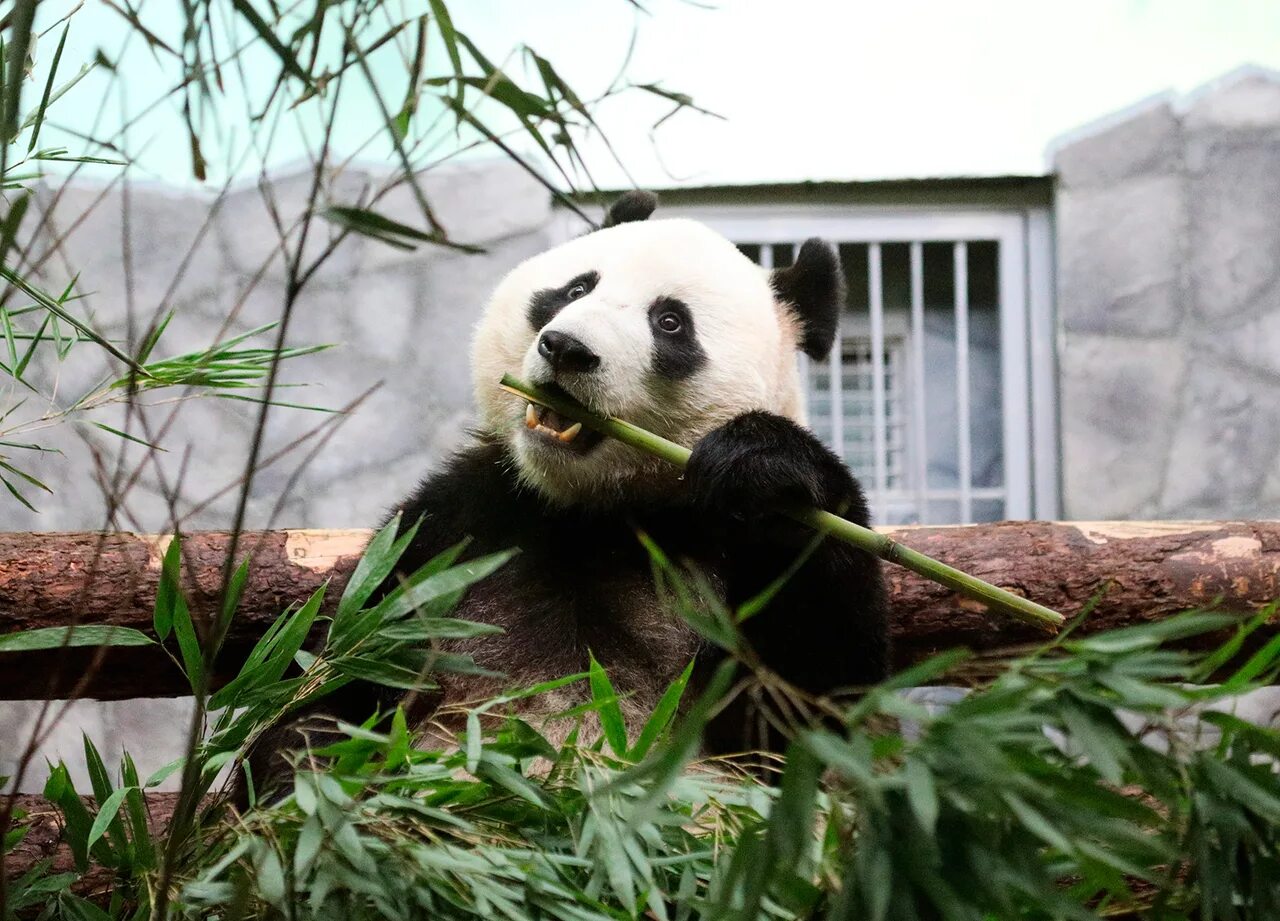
139,832
60,791
379,227
169,590
922,793
80,635
13,491
188,642
449,35
418,595
38,121
4,465
107,814
610,713
268,36
376,563
661,717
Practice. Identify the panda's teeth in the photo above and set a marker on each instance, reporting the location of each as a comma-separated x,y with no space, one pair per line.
570,433
530,416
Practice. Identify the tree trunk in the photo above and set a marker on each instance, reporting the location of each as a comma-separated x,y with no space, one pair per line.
1141,571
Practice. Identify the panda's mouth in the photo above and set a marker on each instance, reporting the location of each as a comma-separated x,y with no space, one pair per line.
551,428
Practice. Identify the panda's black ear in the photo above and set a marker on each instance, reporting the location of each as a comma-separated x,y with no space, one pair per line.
633,206
812,288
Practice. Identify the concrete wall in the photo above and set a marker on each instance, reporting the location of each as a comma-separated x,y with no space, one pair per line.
1168,223
401,321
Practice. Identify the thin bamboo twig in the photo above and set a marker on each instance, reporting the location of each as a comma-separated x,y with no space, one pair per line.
995,598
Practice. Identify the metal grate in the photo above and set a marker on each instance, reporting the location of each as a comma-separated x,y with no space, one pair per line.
857,438
930,407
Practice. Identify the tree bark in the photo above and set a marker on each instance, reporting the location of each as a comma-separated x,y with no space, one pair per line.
44,841
1140,571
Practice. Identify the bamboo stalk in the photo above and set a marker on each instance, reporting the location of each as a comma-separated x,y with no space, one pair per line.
995,598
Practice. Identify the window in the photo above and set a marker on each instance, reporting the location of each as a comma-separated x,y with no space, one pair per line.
845,417
930,394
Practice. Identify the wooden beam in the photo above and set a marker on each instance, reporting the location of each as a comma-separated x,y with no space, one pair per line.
1144,570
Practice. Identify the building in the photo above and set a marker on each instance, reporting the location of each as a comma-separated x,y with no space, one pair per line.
1102,341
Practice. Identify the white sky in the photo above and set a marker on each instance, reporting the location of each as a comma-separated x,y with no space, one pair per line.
815,89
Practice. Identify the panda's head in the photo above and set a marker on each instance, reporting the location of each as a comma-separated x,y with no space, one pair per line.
662,323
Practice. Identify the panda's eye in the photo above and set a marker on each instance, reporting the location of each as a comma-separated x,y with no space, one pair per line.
669,323
577,291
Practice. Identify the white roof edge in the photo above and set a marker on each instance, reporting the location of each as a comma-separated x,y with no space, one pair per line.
1224,81
1106,123
1178,103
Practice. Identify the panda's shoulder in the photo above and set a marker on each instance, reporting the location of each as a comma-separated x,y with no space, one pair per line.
476,484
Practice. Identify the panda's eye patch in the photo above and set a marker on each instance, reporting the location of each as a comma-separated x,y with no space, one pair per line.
676,350
546,303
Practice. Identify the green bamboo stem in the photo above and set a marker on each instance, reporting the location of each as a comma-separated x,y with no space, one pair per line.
995,598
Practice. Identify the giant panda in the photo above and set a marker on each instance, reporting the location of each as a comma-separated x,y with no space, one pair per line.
666,324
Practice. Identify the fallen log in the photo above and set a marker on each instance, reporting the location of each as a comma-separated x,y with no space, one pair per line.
44,841
1144,571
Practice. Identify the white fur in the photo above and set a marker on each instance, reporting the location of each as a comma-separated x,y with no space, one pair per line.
748,337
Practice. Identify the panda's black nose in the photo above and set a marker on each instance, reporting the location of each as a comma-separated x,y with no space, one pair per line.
567,353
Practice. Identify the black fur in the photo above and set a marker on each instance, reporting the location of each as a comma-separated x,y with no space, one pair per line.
584,583
827,628
813,287
631,206
545,304
676,354
761,462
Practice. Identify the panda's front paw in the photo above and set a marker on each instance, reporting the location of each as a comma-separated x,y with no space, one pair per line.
760,462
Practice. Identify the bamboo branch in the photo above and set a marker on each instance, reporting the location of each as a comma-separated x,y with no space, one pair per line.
995,598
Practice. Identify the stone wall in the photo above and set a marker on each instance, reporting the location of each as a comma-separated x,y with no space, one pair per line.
1168,222
401,321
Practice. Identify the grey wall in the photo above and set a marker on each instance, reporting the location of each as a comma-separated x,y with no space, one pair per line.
1168,225
402,321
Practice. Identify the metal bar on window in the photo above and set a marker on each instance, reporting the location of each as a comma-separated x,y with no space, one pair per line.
1015,385
977,492
921,453
1044,376
879,437
836,383
964,458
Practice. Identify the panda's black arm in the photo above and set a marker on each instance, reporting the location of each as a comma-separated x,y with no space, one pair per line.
827,627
